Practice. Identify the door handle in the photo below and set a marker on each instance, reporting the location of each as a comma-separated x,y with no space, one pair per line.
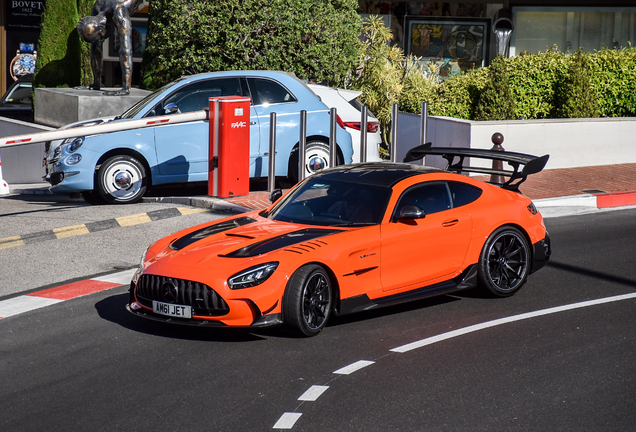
449,223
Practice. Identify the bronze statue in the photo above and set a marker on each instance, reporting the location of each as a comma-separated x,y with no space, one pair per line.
107,14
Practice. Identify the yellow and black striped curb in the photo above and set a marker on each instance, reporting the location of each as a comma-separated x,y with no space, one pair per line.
91,227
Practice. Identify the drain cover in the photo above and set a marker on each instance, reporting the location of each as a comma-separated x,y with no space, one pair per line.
593,191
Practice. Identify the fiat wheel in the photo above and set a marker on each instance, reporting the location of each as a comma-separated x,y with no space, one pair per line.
316,159
307,300
121,180
504,262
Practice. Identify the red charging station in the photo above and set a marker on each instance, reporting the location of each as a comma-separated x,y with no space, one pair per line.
229,171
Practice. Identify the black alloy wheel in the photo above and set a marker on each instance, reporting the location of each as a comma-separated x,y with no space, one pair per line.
504,262
307,300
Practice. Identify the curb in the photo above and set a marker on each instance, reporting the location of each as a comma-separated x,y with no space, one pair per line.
46,297
91,227
599,201
575,204
616,199
209,203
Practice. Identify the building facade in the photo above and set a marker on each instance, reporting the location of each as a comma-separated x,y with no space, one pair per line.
457,35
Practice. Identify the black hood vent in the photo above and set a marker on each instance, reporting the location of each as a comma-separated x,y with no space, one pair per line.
279,242
208,231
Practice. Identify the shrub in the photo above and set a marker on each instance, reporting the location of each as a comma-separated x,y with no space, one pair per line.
60,60
458,96
496,101
532,79
575,96
315,39
613,76
379,73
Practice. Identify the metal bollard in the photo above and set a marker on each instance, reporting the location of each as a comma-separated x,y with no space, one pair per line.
424,126
302,145
271,174
394,132
497,140
363,134
333,152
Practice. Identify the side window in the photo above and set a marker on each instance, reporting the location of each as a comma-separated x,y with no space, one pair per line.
267,92
432,197
196,96
463,193
21,93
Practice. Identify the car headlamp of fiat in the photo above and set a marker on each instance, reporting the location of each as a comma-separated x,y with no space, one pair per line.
70,146
75,144
252,276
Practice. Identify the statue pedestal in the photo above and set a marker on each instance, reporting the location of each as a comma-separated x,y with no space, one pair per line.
60,106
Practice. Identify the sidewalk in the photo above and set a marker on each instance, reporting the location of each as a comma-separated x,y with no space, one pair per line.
555,192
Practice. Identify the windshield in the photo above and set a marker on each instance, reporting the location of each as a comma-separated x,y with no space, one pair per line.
136,108
325,202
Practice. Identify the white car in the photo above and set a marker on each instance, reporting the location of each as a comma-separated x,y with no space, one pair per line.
348,108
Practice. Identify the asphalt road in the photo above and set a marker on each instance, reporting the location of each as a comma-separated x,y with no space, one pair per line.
87,364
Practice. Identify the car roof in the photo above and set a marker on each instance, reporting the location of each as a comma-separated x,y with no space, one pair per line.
385,174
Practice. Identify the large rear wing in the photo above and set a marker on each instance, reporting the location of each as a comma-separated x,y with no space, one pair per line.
530,164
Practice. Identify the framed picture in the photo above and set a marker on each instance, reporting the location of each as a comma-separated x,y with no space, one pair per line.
139,31
452,44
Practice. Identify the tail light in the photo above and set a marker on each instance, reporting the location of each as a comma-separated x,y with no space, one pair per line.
372,127
339,121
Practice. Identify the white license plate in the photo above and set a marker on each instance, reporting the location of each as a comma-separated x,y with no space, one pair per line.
172,310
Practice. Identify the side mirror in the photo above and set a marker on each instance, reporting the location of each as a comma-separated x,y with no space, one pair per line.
275,195
171,108
412,212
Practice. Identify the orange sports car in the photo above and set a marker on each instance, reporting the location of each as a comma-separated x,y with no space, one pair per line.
349,239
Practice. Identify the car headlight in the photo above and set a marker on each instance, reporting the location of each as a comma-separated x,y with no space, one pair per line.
74,159
140,269
75,144
252,276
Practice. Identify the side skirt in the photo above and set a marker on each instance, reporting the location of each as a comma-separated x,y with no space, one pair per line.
467,279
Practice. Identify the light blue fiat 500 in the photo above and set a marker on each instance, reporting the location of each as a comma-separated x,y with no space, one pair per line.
118,167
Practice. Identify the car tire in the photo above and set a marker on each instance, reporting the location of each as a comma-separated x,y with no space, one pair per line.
121,180
504,263
315,150
307,300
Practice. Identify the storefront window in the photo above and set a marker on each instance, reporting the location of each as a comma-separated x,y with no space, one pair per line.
537,29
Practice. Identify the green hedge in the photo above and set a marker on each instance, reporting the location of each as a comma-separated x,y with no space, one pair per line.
535,86
63,59
315,39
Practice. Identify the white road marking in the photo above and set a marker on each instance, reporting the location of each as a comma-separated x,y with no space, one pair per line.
287,420
459,332
18,305
313,393
347,370
122,277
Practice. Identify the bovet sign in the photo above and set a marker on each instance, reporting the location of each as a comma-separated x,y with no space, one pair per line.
24,14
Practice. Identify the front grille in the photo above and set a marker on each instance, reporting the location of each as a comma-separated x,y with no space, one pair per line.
203,299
